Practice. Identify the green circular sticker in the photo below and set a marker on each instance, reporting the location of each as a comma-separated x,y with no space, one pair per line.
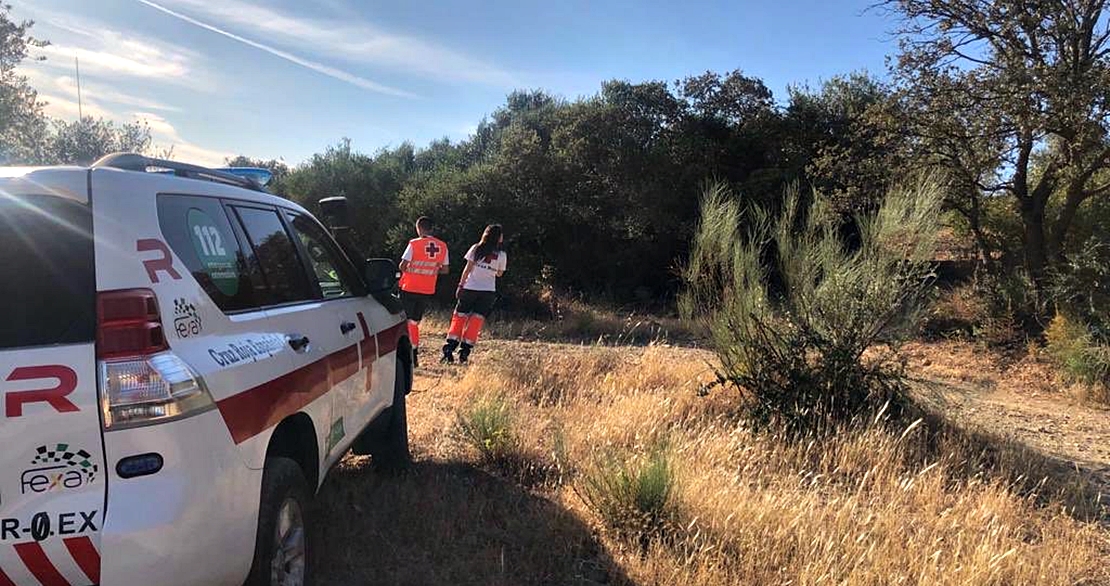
215,252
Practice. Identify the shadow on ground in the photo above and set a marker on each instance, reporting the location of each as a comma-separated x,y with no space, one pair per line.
449,523
1048,470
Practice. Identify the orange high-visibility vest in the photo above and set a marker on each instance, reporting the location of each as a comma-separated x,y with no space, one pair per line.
428,255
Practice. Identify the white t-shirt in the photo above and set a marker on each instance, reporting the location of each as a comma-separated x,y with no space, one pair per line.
484,275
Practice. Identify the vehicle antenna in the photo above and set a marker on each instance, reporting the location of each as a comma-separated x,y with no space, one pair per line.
77,66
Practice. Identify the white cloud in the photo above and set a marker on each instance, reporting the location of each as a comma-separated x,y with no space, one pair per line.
49,84
59,95
105,51
127,58
328,70
62,107
165,135
357,42
105,93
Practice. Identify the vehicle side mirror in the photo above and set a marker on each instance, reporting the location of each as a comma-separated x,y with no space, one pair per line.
381,275
336,213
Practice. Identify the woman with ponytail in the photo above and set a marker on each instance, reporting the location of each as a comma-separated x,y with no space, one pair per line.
477,291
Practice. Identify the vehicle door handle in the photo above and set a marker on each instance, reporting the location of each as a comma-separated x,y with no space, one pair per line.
299,344
346,327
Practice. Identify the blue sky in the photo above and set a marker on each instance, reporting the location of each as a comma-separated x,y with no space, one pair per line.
284,79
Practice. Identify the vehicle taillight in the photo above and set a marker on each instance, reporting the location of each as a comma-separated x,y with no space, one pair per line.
129,324
141,382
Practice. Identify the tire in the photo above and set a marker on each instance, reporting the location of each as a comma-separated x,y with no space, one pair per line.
391,451
284,489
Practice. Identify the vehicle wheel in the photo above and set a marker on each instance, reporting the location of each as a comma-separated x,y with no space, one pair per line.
392,450
281,547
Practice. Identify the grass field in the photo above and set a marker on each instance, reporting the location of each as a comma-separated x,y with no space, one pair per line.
874,505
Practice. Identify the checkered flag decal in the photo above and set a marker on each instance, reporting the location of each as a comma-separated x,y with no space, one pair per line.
61,454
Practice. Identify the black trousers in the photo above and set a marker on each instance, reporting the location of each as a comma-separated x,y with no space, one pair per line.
415,304
475,302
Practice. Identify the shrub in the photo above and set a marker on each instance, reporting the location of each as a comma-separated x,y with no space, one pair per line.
1081,286
955,313
797,348
633,496
1078,354
984,310
488,425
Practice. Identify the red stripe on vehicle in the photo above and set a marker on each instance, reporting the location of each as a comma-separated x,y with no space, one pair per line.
86,556
257,409
369,344
343,364
369,351
5,580
40,566
388,338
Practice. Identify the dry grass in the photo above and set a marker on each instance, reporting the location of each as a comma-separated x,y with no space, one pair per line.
873,505
579,322
1092,394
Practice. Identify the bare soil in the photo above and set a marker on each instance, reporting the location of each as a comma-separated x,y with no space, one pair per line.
1018,398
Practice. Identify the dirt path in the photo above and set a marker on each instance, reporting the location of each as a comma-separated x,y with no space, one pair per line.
1021,400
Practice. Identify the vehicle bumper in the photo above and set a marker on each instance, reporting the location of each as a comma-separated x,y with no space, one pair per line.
194,521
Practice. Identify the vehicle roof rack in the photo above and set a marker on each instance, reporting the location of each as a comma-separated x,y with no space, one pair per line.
142,164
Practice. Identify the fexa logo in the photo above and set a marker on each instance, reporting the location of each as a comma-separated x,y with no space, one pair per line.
64,381
58,468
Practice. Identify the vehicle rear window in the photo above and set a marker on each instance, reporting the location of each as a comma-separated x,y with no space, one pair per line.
281,266
198,231
47,274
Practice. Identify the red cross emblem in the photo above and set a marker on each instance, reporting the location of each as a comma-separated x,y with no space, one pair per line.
431,250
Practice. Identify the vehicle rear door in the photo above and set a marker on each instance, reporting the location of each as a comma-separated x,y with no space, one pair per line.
52,468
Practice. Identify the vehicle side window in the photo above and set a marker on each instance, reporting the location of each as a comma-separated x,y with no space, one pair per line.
198,231
331,270
47,278
277,256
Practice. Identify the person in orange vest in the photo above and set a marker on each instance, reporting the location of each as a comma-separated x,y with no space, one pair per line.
424,260
477,292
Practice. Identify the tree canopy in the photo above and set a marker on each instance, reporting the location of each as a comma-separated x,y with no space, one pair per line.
600,195
1013,98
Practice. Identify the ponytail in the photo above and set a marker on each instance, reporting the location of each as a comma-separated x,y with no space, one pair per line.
490,244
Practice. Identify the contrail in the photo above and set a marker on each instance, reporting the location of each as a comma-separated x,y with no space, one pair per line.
339,74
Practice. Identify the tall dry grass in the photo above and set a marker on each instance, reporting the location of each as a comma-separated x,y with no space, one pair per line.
578,322
925,504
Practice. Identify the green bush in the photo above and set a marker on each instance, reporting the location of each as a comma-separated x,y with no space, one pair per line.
488,425
792,333
1081,286
1077,353
633,496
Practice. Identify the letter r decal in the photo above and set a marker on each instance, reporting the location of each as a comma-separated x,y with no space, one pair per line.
152,266
56,397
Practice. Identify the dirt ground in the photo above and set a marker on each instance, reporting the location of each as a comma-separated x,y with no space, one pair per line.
1021,399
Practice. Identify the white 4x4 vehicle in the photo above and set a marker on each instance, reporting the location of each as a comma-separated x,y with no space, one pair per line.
183,357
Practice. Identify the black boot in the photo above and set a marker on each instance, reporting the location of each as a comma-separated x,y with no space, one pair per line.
449,351
416,357
464,353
